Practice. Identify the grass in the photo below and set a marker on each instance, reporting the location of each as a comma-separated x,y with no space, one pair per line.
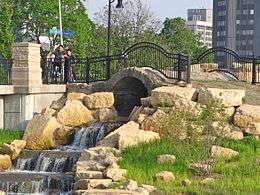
252,91
237,176
8,135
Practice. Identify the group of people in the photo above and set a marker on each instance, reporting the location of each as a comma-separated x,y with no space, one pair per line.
63,65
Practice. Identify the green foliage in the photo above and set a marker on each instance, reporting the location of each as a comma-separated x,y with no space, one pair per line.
237,176
8,135
6,37
34,18
180,39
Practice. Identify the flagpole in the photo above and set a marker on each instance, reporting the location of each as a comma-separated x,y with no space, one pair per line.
61,30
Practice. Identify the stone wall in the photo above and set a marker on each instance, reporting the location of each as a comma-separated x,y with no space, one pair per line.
27,95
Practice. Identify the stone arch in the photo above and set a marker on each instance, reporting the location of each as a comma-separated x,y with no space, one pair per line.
132,84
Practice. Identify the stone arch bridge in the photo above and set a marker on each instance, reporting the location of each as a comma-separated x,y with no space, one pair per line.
128,85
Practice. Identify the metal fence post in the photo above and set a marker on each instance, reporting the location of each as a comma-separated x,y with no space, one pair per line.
87,71
188,79
108,67
179,67
254,71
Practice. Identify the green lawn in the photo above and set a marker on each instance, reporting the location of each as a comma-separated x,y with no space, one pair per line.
252,91
7,136
237,176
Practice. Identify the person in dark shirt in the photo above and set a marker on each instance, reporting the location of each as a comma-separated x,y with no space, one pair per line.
58,62
69,74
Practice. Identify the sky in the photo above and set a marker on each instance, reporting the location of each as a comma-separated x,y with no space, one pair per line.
161,8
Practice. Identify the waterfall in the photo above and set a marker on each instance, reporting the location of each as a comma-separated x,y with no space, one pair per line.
48,172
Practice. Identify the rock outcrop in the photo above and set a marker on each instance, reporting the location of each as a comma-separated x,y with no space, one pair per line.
56,123
128,135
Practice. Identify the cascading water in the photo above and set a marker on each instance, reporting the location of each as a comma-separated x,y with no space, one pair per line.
50,172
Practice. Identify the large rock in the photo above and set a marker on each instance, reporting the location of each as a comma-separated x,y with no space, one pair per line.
99,100
105,192
220,152
248,118
128,135
87,184
115,174
74,114
227,97
5,162
166,158
40,131
63,135
58,104
49,112
75,96
106,114
153,122
172,96
18,144
165,176
10,150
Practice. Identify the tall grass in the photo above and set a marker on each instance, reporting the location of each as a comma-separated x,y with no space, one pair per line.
240,175
8,135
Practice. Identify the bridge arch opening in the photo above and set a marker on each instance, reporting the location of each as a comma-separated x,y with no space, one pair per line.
128,93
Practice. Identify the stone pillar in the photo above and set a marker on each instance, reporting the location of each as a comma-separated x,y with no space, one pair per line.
26,70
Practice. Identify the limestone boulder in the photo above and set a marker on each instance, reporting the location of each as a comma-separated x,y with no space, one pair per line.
220,152
18,144
75,96
130,185
89,175
49,112
165,176
10,150
86,184
58,104
128,135
99,100
63,135
115,174
153,122
248,118
166,158
201,168
172,96
74,114
105,192
5,162
227,97
40,131
105,114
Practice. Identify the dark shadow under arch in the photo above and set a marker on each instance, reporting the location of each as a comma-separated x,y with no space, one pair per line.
128,93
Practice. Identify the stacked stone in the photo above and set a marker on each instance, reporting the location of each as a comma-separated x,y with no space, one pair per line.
243,119
9,152
97,170
56,123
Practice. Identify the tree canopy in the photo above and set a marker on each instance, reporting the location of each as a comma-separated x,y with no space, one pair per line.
6,36
35,18
179,38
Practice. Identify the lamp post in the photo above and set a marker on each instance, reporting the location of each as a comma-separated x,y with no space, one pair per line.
119,6
61,30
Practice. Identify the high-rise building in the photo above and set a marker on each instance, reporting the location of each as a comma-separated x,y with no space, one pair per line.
236,25
200,22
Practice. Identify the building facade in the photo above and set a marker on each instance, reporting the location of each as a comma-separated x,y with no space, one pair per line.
200,22
236,26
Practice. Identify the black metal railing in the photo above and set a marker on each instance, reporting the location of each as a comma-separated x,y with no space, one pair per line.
228,61
145,54
5,71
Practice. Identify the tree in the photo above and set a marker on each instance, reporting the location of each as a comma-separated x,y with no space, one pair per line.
35,18
180,39
135,23
6,37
